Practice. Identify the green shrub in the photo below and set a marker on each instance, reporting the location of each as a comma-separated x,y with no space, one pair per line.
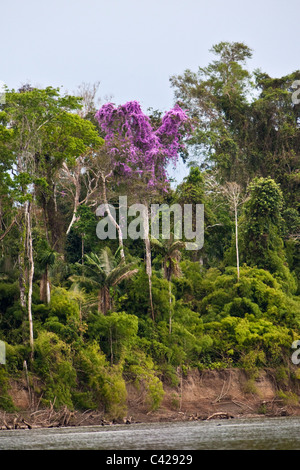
288,398
15,356
102,385
63,305
250,387
6,402
139,368
53,364
116,332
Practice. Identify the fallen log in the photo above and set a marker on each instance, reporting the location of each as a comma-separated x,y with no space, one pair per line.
26,424
220,415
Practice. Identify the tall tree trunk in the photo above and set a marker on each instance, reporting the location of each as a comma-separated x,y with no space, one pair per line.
72,221
30,274
111,218
76,204
22,281
148,257
104,300
45,292
170,307
21,262
237,243
48,290
232,192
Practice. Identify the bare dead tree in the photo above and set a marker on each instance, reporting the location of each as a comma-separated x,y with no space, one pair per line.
233,193
104,179
88,92
81,178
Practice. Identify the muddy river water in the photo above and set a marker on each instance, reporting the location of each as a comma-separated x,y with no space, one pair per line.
240,434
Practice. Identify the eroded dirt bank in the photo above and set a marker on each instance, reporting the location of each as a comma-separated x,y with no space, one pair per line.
223,393
201,395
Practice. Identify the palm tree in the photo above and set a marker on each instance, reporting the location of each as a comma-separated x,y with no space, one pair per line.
104,272
170,250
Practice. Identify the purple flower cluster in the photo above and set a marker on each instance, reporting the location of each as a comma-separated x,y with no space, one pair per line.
135,146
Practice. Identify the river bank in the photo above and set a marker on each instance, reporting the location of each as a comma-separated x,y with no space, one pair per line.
201,395
263,433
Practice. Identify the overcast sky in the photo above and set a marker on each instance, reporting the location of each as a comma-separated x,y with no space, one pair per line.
133,46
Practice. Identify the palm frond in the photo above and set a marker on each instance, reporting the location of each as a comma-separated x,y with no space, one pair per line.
91,300
125,276
157,243
77,292
107,261
178,245
85,281
117,255
118,272
93,260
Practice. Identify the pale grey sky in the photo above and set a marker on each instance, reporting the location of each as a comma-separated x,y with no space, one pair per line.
133,46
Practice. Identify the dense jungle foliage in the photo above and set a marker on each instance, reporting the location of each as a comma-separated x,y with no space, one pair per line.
85,315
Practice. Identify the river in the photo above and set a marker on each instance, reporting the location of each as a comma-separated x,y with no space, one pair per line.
239,434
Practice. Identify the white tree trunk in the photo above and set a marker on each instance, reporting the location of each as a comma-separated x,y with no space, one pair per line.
48,291
30,275
170,307
237,244
76,204
148,258
112,219
22,282
21,262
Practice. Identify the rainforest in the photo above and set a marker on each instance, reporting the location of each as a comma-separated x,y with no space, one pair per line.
83,318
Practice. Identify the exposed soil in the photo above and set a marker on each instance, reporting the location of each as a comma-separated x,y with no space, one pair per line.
218,394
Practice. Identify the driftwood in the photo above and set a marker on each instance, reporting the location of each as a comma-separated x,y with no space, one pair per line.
43,418
16,422
220,415
52,418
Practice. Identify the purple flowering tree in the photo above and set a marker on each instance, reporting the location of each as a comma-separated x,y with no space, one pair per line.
136,147
140,152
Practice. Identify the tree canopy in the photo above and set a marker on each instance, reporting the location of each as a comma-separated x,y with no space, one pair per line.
88,315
